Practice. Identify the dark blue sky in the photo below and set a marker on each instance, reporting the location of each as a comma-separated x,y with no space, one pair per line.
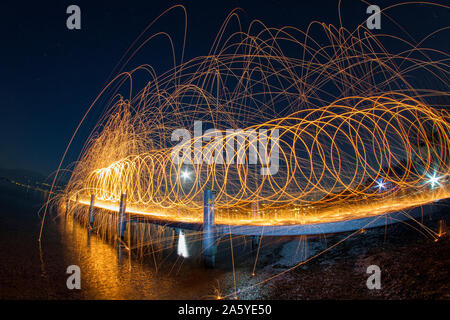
50,75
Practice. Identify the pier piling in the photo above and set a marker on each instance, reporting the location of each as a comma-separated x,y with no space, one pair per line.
255,211
91,211
121,217
77,198
209,237
67,205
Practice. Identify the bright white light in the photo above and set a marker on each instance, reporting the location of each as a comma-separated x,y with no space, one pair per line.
380,184
185,175
434,180
182,248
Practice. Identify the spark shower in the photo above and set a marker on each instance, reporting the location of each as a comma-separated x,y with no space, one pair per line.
346,114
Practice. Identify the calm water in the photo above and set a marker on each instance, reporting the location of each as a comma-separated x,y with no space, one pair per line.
31,271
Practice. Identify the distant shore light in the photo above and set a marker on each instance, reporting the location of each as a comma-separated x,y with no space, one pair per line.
186,175
434,180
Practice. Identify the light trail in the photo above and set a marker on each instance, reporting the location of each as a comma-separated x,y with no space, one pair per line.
346,115
290,216
359,135
319,186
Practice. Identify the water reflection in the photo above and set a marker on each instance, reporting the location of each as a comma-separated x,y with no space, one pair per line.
109,271
33,270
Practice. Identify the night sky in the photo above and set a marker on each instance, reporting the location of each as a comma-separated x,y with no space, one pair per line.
50,75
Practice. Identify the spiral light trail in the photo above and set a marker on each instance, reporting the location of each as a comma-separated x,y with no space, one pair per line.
355,136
